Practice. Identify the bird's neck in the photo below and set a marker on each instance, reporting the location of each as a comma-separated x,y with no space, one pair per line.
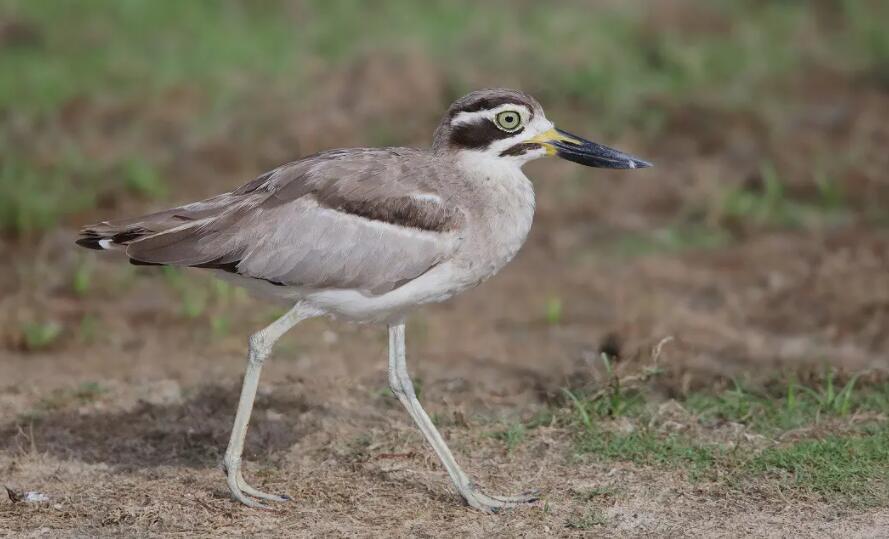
483,167
504,201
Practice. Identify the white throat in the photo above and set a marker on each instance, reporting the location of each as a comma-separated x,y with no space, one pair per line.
507,206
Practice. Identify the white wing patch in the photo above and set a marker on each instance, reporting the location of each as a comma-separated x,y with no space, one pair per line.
427,197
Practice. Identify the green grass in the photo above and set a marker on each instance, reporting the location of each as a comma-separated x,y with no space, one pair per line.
88,329
645,446
765,204
207,301
108,47
33,197
512,436
82,279
40,335
144,180
589,494
791,406
83,393
769,203
867,42
139,48
193,298
849,468
617,398
553,311
767,409
853,468
829,454
680,237
589,519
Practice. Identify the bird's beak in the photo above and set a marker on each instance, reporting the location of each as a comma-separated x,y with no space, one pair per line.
573,148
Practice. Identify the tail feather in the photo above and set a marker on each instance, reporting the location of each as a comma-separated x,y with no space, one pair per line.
106,236
177,236
117,235
90,240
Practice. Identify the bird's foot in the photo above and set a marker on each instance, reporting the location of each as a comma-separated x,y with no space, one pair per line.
492,504
240,490
256,493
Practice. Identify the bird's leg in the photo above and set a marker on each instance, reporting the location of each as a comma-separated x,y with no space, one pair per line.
401,385
259,347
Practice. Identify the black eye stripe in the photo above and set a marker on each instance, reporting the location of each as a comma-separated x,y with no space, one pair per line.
520,149
479,134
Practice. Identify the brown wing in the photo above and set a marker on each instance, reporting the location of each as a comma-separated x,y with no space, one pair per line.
363,219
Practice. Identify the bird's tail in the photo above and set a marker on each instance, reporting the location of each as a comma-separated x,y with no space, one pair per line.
107,236
170,237
117,235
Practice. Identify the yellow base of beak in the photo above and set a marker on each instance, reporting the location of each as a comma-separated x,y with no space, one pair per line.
547,138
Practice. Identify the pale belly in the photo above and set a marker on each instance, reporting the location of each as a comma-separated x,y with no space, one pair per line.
467,270
470,267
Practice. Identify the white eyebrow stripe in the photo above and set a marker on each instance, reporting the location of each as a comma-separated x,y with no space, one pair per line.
463,118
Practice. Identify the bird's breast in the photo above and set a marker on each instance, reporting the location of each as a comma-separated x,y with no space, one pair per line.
499,225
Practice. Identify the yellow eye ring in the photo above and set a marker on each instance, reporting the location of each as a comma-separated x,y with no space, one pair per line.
508,120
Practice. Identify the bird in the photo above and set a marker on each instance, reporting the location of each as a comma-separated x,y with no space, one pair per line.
368,235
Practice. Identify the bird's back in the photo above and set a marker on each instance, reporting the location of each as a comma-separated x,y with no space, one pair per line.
367,219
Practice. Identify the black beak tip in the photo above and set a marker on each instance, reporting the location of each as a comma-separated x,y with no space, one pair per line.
639,163
591,154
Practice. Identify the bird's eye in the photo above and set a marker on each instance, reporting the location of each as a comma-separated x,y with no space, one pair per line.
508,120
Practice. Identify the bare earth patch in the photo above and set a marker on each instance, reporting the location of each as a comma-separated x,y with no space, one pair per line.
382,482
125,434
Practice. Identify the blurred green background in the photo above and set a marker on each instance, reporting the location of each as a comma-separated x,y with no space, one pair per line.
106,100
763,118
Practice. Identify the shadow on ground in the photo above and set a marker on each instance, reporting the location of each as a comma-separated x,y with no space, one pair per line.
192,433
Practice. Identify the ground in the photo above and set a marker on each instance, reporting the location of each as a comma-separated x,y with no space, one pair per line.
699,349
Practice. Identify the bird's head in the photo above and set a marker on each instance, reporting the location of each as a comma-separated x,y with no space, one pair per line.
510,126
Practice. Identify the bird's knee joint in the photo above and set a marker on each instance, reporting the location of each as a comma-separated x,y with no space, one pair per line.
257,342
397,389
259,348
401,388
395,384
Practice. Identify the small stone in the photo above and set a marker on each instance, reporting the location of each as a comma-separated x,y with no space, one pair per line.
161,393
35,497
26,497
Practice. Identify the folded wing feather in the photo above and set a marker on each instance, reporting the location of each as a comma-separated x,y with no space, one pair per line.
366,219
